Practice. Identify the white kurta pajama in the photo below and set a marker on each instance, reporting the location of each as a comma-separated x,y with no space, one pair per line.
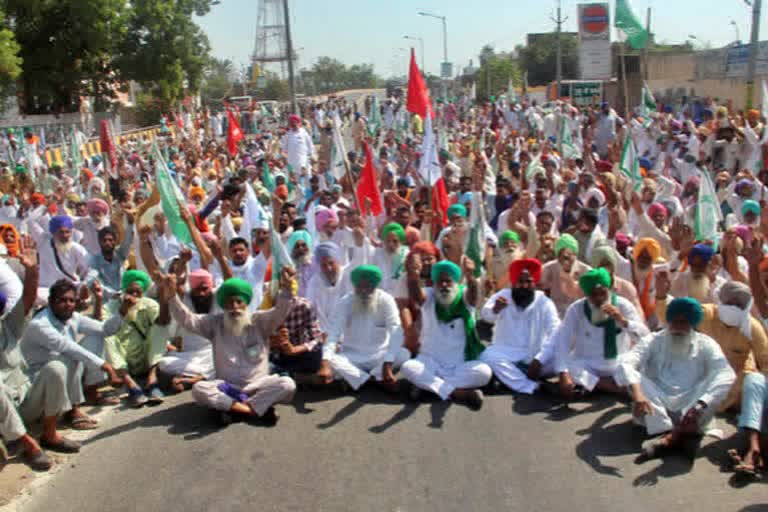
440,366
519,337
673,380
365,341
242,361
325,297
196,354
579,344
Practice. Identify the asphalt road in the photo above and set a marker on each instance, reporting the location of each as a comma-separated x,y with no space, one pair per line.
372,452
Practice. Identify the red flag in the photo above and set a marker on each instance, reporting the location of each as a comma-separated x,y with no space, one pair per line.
107,146
180,119
234,133
440,202
367,187
418,95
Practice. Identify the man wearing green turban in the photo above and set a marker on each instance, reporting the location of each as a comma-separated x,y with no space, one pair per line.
447,364
243,385
605,256
389,258
560,276
368,321
137,347
677,379
596,331
508,251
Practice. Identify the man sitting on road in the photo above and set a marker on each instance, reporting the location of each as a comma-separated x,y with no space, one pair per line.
365,341
448,364
525,319
677,380
138,345
596,330
243,385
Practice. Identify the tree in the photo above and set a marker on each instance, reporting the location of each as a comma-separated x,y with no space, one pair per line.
10,62
540,58
217,80
67,49
496,70
164,50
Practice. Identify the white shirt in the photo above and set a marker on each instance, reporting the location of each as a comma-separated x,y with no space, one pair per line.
374,335
252,271
74,262
577,338
442,342
684,375
523,334
325,297
298,147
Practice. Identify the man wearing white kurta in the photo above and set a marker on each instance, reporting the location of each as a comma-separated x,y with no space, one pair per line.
297,145
248,268
525,319
677,377
60,257
327,286
596,330
368,322
447,363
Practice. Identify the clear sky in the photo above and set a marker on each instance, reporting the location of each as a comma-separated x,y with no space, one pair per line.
371,31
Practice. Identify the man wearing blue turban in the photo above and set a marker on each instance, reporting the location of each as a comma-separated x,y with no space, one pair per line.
60,256
696,281
299,246
677,379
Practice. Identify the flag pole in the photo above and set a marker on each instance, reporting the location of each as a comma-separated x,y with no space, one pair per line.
624,80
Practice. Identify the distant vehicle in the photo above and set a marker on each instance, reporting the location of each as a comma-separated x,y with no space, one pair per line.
395,89
241,101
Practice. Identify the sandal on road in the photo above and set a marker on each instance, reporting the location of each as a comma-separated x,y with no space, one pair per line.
63,446
83,423
103,401
750,468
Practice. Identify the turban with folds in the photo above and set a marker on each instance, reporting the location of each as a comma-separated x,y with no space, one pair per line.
369,273
60,221
302,235
135,276
688,307
703,251
234,286
649,245
594,278
507,236
447,267
97,206
327,250
517,267
200,277
566,242
457,209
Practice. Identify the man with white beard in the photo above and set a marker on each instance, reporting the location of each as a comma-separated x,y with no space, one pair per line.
365,339
508,251
390,257
242,386
299,246
98,218
525,319
677,379
60,256
448,364
328,284
595,332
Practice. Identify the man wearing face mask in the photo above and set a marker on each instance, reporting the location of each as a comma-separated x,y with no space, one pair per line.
524,319
448,361
595,332
730,323
677,379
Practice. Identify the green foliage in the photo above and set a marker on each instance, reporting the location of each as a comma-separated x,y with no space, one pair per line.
217,80
500,68
540,58
329,75
149,109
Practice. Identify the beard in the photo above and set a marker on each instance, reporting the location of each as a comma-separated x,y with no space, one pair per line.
445,297
679,343
598,315
698,287
302,259
523,297
201,303
365,304
235,323
64,248
132,313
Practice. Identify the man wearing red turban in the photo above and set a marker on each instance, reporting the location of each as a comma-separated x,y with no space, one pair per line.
524,320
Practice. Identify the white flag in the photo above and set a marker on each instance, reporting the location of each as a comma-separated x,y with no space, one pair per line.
708,213
338,151
630,165
254,215
429,166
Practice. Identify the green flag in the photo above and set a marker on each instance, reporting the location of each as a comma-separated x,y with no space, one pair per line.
708,213
568,149
534,168
269,180
475,247
630,165
170,198
626,21
374,118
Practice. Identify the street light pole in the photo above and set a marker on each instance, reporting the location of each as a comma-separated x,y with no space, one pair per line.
445,48
753,50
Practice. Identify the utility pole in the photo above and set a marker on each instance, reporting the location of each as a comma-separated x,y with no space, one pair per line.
647,44
753,50
289,48
559,21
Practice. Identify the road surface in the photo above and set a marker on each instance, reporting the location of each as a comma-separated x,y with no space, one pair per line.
372,452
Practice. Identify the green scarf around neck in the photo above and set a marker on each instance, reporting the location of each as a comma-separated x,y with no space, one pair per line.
610,330
473,347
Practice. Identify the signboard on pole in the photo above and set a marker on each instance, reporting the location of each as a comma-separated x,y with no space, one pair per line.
594,41
586,93
446,70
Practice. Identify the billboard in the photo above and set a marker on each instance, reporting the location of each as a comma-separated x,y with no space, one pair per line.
594,41
737,59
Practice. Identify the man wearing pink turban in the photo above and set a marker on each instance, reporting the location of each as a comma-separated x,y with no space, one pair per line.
193,361
98,218
297,146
